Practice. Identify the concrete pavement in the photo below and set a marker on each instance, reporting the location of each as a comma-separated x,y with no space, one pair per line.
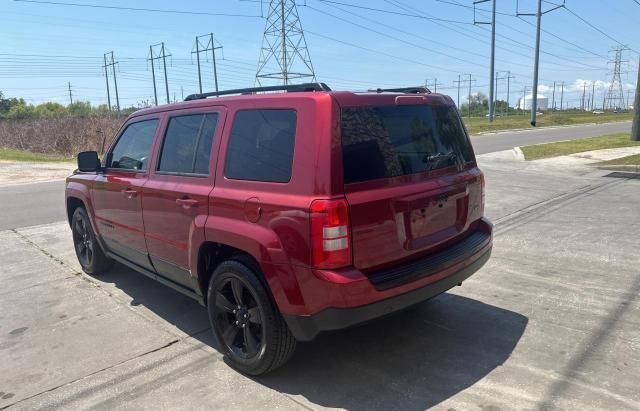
552,321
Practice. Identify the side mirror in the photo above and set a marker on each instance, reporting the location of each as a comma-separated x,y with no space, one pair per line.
88,161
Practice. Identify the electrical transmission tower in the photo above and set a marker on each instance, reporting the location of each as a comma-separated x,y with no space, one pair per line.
615,95
284,44
162,54
211,45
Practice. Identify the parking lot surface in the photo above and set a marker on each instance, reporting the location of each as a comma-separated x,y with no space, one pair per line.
551,322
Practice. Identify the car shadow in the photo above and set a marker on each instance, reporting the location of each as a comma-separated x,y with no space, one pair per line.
410,360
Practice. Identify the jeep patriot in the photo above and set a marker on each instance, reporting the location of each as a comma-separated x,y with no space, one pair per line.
287,213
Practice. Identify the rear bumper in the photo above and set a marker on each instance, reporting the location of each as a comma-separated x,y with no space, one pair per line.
307,327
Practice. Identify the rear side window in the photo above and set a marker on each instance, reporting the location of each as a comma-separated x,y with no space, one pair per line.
131,151
261,146
389,141
187,144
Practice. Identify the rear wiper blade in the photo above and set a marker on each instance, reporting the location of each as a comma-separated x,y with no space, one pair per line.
435,158
440,156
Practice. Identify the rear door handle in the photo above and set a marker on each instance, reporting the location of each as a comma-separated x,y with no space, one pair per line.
129,193
186,202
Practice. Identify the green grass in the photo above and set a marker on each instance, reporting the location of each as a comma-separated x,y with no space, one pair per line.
564,148
18,155
633,160
477,125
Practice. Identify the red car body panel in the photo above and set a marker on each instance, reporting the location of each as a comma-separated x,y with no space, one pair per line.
393,221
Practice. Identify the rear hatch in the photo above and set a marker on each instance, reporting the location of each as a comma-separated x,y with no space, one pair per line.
410,177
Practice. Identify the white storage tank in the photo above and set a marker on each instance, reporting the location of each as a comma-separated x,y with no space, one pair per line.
543,102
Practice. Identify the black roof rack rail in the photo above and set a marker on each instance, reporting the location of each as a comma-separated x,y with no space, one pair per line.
288,88
408,90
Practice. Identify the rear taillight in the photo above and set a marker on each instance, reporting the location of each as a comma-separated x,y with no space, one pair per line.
330,234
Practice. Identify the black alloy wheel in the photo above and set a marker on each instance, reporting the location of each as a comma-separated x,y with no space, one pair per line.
238,318
245,319
83,241
90,255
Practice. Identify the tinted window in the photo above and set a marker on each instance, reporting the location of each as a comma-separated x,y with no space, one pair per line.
388,141
187,144
131,152
261,145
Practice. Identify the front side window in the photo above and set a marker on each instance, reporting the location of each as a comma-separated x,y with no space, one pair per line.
261,145
187,144
131,151
388,141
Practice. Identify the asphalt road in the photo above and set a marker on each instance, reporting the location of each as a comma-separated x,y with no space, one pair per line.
25,205
504,140
42,203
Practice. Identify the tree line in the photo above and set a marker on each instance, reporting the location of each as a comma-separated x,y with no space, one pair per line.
18,108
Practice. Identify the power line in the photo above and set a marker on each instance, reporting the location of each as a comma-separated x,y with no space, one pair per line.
588,23
389,36
454,3
101,6
394,12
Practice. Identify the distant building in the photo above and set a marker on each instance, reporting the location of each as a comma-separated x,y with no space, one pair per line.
525,104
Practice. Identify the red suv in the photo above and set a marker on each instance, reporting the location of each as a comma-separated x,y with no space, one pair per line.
287,213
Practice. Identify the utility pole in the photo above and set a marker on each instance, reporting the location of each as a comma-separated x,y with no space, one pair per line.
198,59
508,89
561,94
161,55
495,95
493,50
523,104
458,83
470,80
635,129
553,99
106,76
112,64
584,88
593,95
507,77
164,65
427,82
115,82
153,76
536,64
70,95
201,47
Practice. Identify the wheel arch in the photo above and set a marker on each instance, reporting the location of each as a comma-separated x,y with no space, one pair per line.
211,254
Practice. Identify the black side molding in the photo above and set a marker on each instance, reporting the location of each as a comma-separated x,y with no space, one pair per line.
158,278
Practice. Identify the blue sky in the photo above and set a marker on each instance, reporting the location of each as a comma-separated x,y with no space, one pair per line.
45,46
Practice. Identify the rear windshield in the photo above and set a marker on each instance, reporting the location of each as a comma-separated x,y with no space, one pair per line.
389,141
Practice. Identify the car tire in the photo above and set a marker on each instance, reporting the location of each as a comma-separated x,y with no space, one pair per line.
244,318
90,255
